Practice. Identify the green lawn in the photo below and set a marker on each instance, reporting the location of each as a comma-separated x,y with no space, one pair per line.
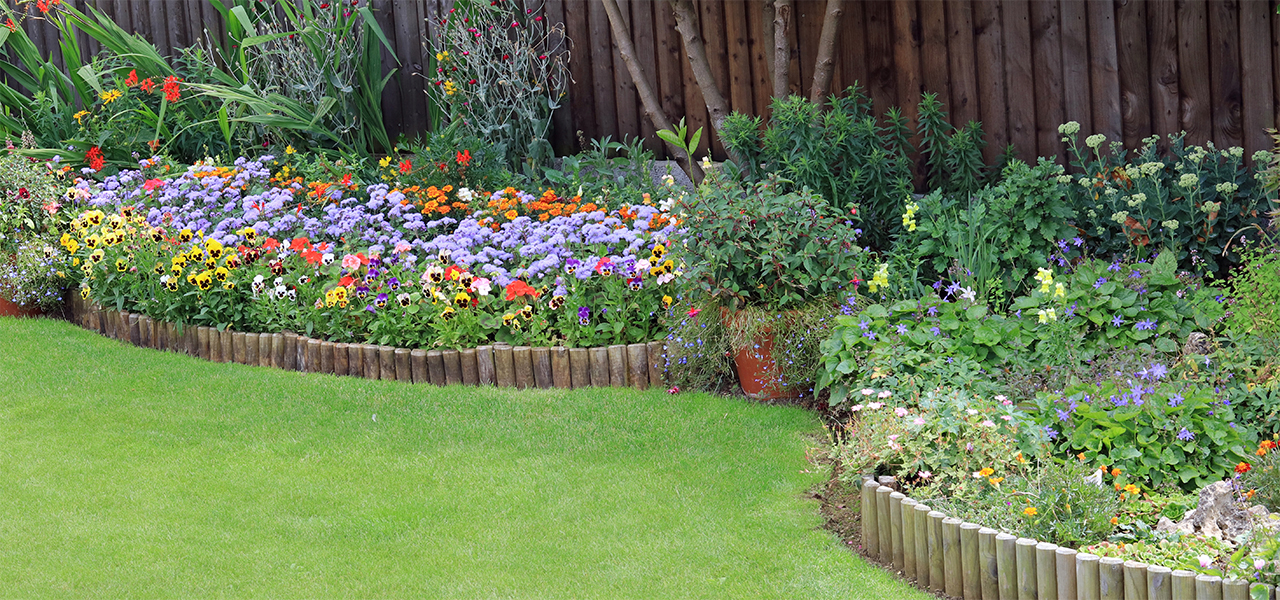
136,473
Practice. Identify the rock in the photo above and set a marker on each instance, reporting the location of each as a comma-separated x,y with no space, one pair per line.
1258,510
1197,343
1216,515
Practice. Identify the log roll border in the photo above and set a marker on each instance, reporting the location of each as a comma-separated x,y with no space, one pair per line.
639,366
970,562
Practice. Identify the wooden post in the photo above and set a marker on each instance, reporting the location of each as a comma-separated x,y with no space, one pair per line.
435,366
302,353
277,350
215,345
251,349
1184,584
452,367
522,356
1208,587
937,578
202,345
1025,549
989,578
355,360
157,332
657,364
1066,559
599,367
617,365
1111,578
1007,565
239,347
1046,571
970,562
870,528
135,330
953,577
404,369
504,366
1135,580
369,358
580,368
883,527
909,537
313,356
387,363
484,365
290,357
638,366
1159,583
1233,589
895,529
327,351
144,332
1087,576
264,349
542,367
922,544
470,374
561,377
418,366
111,323
341,359
227,352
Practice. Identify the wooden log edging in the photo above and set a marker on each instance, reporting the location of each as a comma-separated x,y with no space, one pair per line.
964,560
640,366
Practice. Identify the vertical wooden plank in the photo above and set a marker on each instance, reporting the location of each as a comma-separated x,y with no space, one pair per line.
795,80
1256,85
761,68
739,54
646,53
161,29
1193,71
602,71
1047,62
933,50
122,15
1076,102
851,42
882,83
1275,63
1019,80
581,99
670,74
808,24
195,22
393,109
409,50
1135,91
906,62
624,89
713,35
1104,76
695,107
1224,72
964,77
141,18
1162,23
561,118
989,54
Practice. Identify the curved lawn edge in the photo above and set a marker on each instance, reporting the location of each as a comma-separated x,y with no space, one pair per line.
146,473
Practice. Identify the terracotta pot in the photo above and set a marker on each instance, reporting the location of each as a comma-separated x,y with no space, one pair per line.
758,374
9,309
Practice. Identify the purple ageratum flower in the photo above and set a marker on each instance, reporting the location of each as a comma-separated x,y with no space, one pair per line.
1145,325
1185,435
1099,283
1175,400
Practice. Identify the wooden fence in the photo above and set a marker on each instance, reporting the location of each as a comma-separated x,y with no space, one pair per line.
1125,68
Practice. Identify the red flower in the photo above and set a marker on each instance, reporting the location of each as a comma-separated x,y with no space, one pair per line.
147,85
23,193
346,179
10,24
1243,468
518,288
94,158
449,274
271,243
346,281
152,184
464,158
311,256
406,166
132,79
171,91
364,260
693,312
300,244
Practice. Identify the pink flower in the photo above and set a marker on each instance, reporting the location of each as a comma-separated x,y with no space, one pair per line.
481,286
693,312
1006,417
674,390
874,405
856,407
351,262
918,421
900,411
867,391
925,474
893,438
402,247
884,394
988,423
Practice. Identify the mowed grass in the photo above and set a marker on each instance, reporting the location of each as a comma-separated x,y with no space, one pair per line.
136,473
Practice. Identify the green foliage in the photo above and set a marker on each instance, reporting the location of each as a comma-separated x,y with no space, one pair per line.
1198,201
758,245
1255,291
31,195
608,174
32,277
842,154
1264,476
1159,432
1174,550
953,155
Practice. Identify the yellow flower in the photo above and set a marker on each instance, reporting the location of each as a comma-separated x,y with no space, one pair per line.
1045,277
995,481
1060,292
986,472
1030,511
1132,489
80,115
449,88
289,149
1115,472
880,279
110,96
385,162
1047,315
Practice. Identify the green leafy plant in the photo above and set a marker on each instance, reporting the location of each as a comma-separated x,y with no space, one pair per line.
680,137
31,199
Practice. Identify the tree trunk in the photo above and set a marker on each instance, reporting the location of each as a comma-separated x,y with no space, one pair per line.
687,25
826,52
652,105
781,48
766,33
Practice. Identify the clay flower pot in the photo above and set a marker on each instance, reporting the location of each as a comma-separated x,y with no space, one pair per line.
758,374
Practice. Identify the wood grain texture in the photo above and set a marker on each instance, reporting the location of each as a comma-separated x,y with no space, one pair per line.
1258,109
1162,48
881,82
934,69
965,106
1104,70
1047,70
1195,103
1076,93
1134,65
989,56
1224,72
1018,77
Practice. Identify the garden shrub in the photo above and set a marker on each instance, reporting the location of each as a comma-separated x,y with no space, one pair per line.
32,194
1263,477
609,172
1255,291
1158,431
34,279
